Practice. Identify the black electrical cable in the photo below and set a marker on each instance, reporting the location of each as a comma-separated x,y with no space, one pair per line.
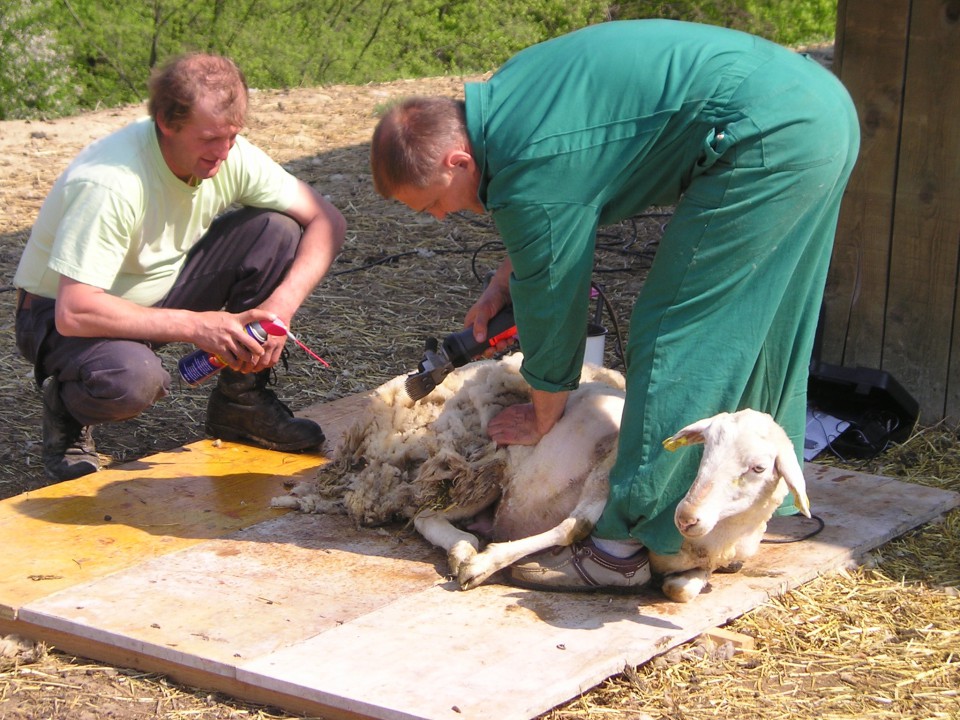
646,253
396,256
816,531
617,334
473,259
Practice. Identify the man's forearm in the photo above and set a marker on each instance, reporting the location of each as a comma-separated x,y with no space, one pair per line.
549,407
318,249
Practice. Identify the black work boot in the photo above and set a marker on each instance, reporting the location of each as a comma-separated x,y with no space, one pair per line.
68,448
243,409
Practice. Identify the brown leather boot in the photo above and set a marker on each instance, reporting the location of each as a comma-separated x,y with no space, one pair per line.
68,448
243,409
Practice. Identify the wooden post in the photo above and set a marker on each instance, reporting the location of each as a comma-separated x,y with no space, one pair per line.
892,295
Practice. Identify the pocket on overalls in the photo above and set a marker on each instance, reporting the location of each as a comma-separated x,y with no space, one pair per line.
714,146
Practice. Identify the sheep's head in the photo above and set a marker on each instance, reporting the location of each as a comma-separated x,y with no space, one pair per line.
748,463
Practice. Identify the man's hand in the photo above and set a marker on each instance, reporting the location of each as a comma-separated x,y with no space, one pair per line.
527,423
86,311
494,298
515,425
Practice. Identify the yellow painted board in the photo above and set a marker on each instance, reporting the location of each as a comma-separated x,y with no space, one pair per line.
72,532
75,531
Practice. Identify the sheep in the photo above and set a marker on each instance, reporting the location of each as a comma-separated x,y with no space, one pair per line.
749,465
432,463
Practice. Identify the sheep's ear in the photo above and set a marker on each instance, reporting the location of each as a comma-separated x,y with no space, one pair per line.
690,435
789,469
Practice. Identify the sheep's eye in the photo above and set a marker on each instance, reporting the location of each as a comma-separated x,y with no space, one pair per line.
758,469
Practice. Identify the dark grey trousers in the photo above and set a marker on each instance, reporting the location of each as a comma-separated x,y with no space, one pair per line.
235,267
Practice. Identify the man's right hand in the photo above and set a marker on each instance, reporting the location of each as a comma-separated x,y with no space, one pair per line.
494,298
527,423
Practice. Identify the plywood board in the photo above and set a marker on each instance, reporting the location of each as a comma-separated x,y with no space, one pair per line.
312,614
76,531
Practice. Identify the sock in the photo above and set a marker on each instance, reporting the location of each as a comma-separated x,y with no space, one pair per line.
617,548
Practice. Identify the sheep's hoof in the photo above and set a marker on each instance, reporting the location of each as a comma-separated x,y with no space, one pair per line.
476,572
469,582
459,555
734,567
684,587
468,578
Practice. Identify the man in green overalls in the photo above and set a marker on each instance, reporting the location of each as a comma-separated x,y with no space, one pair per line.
752,142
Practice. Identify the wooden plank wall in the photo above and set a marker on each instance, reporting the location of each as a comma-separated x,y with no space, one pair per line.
891,299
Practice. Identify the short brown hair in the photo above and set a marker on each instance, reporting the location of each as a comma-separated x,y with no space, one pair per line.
410,140
182,80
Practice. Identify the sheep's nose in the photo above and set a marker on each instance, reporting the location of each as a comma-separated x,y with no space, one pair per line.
686,521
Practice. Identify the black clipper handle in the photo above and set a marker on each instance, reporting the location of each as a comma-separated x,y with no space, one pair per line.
461,347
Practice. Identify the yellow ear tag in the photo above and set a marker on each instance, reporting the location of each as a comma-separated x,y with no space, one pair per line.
672,443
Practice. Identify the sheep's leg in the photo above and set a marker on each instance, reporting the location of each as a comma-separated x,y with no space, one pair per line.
685,586
437,529
577,526
497,556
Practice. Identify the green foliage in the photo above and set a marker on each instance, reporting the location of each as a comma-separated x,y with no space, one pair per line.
104,50
788,22
111,42
33,80
444,37
795,23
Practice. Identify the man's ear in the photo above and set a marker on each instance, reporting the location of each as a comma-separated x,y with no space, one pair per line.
162,125
458,158
166,128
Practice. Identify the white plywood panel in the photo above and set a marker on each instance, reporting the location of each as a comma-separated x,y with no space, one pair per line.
232,599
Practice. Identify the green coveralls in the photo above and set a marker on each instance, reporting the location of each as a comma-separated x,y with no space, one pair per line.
752,142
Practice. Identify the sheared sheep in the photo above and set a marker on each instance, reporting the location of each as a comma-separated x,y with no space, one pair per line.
433,462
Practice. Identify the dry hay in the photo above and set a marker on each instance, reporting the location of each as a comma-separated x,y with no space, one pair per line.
852,645
879,641
59,687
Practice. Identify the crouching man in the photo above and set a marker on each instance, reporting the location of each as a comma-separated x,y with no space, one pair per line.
133,249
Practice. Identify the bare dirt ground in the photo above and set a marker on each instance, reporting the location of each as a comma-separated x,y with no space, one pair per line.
879,641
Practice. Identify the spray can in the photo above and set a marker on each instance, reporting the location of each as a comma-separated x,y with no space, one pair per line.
201,365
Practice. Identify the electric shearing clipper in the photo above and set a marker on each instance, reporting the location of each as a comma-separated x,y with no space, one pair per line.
457,349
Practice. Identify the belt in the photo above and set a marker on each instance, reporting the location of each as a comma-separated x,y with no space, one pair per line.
25,299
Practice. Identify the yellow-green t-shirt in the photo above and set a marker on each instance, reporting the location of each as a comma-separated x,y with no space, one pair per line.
120,220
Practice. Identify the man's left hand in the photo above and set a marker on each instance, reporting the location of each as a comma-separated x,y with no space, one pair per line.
515,425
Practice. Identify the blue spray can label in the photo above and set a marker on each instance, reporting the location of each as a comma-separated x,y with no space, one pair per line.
201,365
